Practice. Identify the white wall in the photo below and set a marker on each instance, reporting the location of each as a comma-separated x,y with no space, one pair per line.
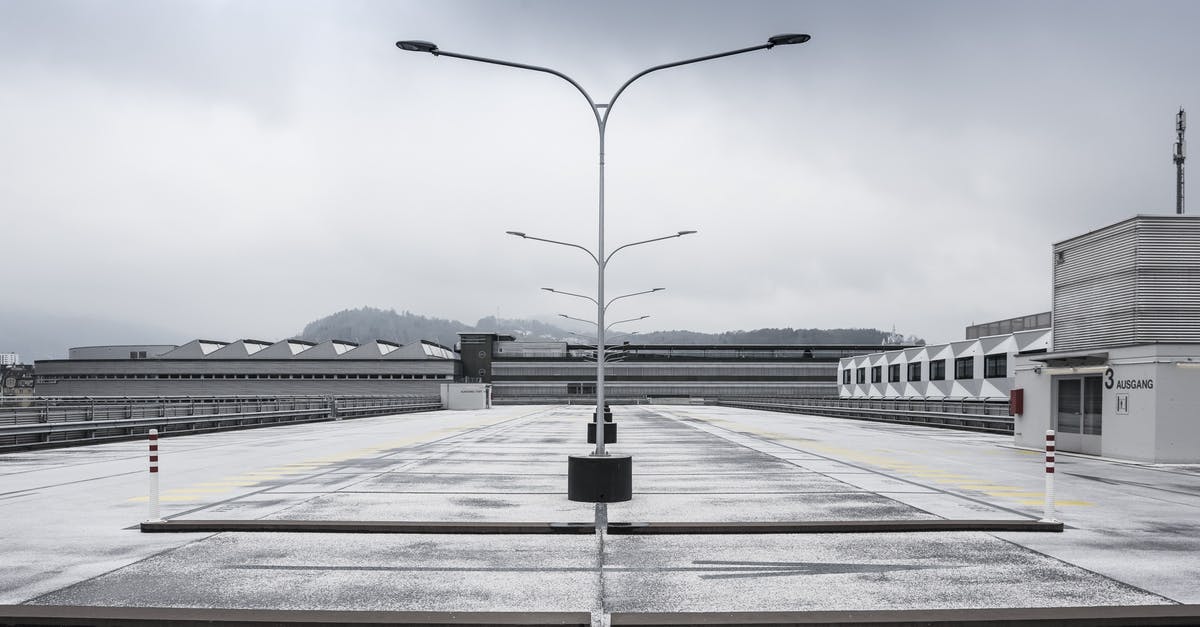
1160,424
466,395
977,387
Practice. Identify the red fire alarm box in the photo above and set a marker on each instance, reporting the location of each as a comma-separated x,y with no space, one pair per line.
1016,402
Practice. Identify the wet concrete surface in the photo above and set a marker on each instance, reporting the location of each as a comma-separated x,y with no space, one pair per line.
509,464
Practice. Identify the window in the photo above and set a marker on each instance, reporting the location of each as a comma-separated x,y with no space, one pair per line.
860,375
846,376
995,366
964,368
937,370
876,374
914,371
894,373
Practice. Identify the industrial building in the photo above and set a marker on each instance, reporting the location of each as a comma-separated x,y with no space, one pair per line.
1122,377
1116,374
515,371
250,367
979,368
563,372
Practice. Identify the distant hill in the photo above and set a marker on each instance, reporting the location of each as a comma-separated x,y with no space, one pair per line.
369,323
776,336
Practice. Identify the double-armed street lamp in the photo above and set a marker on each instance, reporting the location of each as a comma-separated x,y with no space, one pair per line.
600,477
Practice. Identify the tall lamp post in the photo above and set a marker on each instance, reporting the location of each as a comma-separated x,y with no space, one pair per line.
620,488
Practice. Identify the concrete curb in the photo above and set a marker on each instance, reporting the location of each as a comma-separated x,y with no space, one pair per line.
338,526
991,617
849,526
192,617
614,528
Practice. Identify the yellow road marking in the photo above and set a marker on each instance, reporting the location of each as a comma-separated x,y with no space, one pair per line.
278,472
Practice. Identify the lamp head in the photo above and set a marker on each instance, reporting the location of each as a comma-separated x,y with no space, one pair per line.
548,289
517,233
782,40
658,289
682,233
417,46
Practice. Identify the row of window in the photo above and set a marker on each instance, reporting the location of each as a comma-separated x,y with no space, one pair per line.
510,390
994,366
662,370
83,377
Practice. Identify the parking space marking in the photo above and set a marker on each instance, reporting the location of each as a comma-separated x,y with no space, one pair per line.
1019,495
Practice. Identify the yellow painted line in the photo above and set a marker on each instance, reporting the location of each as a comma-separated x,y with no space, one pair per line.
278,472
1057,503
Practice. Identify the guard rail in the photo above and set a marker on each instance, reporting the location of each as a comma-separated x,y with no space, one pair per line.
971,415
34,422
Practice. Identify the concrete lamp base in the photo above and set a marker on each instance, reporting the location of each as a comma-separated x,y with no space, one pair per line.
599,479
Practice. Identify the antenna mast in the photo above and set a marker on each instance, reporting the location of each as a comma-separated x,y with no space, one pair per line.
1180,155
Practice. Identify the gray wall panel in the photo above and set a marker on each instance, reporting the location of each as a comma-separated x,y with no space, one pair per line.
1133,282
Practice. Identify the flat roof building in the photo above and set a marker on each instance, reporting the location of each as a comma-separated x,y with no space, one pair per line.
566,372
250,367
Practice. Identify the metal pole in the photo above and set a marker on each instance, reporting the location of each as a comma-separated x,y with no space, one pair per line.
1048,509
600,264
1180,156
154,513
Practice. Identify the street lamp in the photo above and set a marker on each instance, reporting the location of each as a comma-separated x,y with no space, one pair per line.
601,111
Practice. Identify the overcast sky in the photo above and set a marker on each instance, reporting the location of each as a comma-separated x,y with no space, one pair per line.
238,169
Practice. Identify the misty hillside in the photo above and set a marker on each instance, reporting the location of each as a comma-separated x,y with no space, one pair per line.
369,323
775,336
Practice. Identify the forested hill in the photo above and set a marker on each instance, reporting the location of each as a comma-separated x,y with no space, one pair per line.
369,323
775,336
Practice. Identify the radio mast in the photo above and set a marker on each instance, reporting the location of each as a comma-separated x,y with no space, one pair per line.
1180,155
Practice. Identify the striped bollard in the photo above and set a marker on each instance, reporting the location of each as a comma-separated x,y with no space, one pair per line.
154,514
1048,510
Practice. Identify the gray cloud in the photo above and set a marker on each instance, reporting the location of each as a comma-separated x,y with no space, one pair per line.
237,169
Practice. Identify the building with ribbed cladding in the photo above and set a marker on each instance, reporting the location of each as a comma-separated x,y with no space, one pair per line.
1122,378
518,371
250,367
525,372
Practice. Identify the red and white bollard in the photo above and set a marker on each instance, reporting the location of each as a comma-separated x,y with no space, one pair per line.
154,514
1048,510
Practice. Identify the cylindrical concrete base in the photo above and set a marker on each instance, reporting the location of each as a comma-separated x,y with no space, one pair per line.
596,479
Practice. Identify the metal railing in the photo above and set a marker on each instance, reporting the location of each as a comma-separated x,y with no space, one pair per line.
34,422
989,416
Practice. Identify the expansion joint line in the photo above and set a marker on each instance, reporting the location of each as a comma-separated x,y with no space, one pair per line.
600,616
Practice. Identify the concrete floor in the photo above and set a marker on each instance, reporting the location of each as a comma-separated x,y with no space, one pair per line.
1131,539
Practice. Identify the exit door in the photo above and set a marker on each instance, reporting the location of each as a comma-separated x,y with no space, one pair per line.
1078,413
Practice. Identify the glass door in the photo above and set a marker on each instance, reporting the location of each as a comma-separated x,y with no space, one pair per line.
1078,413
1068,414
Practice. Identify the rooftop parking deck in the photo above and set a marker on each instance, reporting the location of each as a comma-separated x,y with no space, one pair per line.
70,517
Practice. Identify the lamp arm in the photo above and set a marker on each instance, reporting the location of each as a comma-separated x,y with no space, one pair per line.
535,68
609,303
664,66
553,241
647,241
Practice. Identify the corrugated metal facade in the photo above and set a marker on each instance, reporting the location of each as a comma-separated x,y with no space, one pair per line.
1134,282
